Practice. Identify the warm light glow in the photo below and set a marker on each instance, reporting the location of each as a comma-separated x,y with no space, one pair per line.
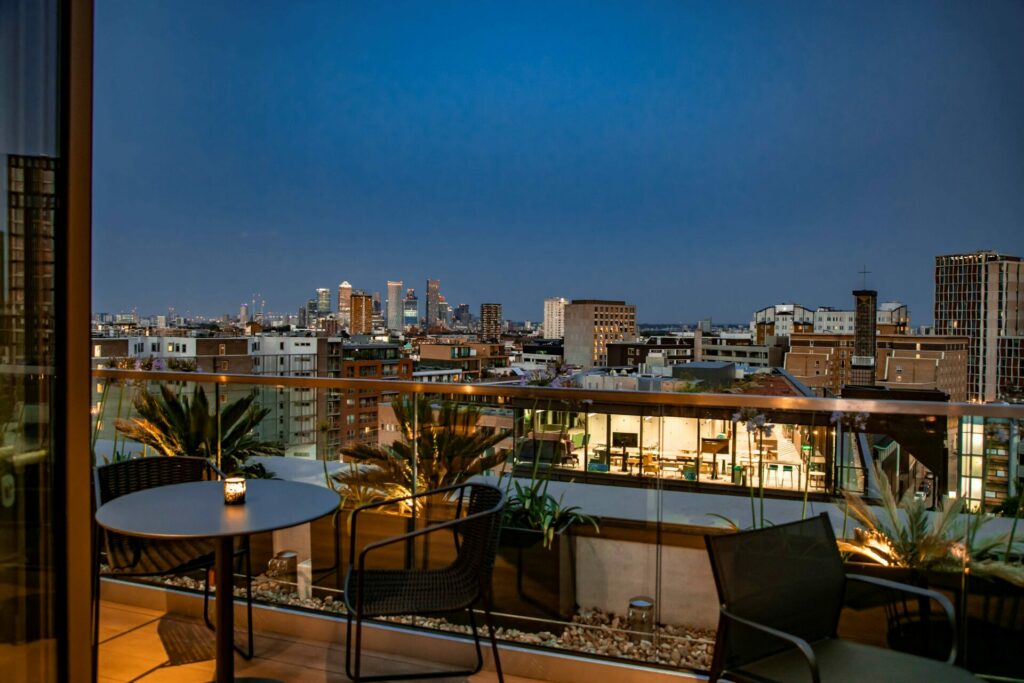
234,491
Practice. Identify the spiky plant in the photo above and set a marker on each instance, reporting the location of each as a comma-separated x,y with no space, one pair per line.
173,425
447,445
907,534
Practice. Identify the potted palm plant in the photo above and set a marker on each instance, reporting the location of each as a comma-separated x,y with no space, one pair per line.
172,424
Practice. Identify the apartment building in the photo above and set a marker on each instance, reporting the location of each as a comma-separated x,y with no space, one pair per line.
349,416
981,296
490,322
361,314
554,317
592,324
474,359
824,361
781,320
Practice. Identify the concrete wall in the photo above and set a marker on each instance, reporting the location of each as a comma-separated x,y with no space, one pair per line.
609,573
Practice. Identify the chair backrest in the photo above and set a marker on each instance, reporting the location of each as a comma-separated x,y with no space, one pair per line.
789,577
479,537
127,554
121,478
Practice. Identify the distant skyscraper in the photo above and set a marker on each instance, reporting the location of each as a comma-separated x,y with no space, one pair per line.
433,302
243,314
591,324
554,317
981,296
410,309
323,300
376,303
344,303
362,314
490,322
312,313
444,312
463,316
394,305
303,319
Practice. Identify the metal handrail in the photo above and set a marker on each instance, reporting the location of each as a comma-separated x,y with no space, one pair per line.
580,397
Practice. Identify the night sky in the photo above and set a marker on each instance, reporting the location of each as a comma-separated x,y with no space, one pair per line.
696,159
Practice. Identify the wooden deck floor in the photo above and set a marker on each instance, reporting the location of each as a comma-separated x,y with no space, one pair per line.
138,644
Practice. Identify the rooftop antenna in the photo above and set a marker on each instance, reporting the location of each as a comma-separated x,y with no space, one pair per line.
864,272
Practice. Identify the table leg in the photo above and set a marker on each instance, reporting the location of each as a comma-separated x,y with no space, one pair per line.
225,610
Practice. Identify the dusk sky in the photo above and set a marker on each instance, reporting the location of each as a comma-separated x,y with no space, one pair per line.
695,159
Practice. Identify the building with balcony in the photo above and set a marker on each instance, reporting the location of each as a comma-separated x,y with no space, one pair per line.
473,359
490,322
349,417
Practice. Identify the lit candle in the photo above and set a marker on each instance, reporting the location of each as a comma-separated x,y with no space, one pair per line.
234,491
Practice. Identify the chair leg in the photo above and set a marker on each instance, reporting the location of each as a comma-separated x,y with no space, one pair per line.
206,601
248,594
476,642
348,646
489,620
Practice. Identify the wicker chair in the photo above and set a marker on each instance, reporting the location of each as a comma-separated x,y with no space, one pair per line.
129,556
461,585
781,591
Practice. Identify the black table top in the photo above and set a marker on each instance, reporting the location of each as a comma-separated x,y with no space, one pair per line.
197,509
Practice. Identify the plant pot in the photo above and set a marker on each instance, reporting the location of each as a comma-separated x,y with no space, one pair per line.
534,581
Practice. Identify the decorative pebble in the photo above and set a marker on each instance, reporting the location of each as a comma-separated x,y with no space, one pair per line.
592,631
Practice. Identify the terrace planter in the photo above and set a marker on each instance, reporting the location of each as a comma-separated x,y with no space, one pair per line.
989,612
532,580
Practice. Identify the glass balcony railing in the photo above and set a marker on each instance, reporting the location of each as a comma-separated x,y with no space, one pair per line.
648,475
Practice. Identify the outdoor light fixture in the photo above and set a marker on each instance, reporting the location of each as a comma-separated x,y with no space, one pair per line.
234,491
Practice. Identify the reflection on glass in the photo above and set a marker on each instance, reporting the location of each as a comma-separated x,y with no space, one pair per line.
28,206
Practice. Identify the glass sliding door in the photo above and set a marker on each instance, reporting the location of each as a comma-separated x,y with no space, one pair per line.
33,560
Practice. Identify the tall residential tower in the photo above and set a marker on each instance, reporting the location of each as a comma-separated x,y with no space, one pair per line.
981,296
554,317
394,306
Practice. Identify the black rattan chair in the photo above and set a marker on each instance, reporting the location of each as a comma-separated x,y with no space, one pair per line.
461,585
129,556
781,591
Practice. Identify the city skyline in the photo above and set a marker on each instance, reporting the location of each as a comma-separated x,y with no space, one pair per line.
693,161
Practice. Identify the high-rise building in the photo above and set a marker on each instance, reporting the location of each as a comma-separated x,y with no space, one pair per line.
463,316
433,302
376,303
312,313
554,317
981,296
323,300
28,294
394,306
362,314
591,324
490,322
243,314
410,309
344,303
444,312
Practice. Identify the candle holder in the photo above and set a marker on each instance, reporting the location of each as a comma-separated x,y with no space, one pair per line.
234,491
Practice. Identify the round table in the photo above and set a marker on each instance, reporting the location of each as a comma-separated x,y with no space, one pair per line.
197,510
